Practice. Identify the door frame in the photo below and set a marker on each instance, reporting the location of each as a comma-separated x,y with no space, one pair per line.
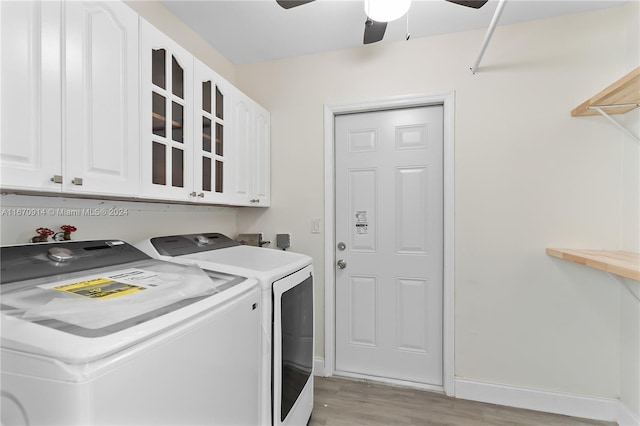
447,100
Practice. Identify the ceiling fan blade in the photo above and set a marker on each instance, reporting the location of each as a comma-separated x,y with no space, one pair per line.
476,4
288,4
373,31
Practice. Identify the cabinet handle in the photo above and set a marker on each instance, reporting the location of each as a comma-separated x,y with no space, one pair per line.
56,179
77,181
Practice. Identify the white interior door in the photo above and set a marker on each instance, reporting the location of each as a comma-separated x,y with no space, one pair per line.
389,216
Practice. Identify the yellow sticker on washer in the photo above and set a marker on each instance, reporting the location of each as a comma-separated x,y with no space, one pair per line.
99,288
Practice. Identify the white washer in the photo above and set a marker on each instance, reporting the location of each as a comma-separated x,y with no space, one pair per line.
286,280
98,333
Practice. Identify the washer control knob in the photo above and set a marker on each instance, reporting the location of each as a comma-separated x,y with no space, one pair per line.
201,239
60,254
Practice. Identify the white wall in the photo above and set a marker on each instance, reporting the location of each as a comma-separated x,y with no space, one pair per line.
528,176
629,240
101,219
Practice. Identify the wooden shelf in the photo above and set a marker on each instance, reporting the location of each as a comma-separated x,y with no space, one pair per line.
623,263
624,91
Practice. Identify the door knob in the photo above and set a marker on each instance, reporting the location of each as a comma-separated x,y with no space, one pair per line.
342,264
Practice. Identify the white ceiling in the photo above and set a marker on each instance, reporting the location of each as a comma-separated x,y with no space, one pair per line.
248,31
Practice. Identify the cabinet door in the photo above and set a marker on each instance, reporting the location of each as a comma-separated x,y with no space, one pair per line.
239,169
261,154
167,116
30,117
212,100
249,166
101,75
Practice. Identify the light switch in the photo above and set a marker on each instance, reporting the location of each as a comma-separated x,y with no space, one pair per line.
315,226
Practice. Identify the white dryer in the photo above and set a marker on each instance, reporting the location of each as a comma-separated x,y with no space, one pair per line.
286,280
98,333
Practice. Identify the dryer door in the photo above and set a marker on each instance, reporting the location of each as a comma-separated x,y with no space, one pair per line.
293,348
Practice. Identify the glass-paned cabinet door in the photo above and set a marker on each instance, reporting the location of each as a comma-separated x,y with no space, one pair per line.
211,91
167,105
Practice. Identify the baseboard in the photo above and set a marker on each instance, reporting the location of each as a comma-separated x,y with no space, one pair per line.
626,417
595,408
588,407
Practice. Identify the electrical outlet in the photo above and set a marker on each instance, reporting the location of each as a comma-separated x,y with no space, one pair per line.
283,241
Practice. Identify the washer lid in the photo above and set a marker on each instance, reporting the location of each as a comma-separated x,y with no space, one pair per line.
85,315
253,258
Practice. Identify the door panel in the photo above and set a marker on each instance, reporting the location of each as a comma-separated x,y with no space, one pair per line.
389,202
411,235
363,296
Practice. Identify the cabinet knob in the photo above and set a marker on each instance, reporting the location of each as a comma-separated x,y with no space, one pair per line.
201,195
56,179
192,194
77,181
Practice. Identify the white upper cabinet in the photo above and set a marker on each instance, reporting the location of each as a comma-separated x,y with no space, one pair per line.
167,104
202,139
30,93
249,179
69,97
101,80
95,101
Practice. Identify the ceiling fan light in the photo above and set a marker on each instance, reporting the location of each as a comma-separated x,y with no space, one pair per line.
386,10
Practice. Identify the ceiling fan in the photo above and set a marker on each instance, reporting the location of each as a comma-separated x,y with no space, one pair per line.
374,29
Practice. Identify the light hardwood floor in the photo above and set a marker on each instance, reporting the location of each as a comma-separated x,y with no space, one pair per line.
339,401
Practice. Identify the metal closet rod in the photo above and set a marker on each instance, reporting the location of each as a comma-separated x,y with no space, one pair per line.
614,122
487,37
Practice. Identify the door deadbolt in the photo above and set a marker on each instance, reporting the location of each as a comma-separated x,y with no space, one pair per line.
342,246
342,264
